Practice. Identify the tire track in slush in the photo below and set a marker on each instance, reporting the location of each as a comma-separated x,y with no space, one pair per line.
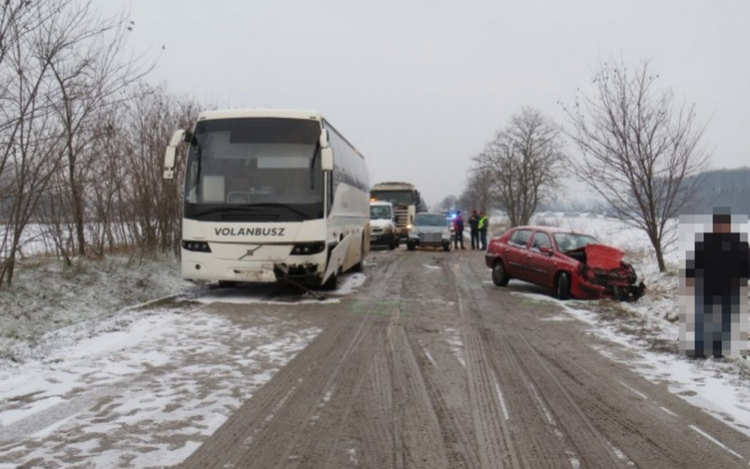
537,440
492,430
567,374
263,432
443,380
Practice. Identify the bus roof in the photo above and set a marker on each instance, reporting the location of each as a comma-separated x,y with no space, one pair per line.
274,113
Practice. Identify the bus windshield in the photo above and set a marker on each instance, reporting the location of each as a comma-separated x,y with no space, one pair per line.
254,161
395,197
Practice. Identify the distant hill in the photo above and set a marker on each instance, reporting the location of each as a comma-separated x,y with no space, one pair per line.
721,188
724,188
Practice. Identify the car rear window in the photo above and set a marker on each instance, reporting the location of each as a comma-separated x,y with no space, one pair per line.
520,238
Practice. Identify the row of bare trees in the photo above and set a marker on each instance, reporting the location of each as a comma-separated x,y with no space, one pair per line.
638,150
81,138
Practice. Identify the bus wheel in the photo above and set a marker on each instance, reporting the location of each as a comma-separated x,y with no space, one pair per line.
227,284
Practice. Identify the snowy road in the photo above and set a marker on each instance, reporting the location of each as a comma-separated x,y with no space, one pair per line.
428,365
435,368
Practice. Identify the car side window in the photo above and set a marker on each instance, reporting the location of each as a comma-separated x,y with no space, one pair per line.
520,238
541,240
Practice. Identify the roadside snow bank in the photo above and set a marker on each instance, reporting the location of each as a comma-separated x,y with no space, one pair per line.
145,395
47,296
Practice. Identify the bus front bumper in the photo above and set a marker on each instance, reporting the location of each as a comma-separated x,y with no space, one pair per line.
206,267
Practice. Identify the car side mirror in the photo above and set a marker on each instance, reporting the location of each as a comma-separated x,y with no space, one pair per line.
546,250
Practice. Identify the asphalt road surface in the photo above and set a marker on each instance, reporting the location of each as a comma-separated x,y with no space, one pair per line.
431,366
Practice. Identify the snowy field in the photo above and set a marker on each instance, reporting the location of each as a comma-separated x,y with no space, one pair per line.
117,363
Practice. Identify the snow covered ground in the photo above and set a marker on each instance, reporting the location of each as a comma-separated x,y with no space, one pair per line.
119,363
649,327
166,374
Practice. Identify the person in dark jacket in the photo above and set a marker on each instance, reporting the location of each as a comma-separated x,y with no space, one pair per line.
474,230
716,275
482,227
458,230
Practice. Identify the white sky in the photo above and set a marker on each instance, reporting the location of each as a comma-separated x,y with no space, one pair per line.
420,85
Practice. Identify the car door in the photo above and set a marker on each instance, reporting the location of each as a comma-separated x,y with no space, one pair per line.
540,264
516,262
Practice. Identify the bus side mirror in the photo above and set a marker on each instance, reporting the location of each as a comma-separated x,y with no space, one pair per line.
169,157
326,159
323,138
171,153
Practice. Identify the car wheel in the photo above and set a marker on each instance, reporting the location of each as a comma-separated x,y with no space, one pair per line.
392,244
563,286
499,275
447,247
410,246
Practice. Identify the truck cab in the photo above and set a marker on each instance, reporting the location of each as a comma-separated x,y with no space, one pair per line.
383,229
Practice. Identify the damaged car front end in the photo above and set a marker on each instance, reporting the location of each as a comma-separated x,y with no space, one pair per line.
603,274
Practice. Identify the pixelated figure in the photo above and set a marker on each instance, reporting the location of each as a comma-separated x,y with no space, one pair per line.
714,287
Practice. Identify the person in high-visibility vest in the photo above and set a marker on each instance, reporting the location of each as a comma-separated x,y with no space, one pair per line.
482,226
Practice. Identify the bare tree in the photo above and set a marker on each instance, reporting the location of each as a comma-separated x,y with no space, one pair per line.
28,136
525,163
478,193
448,203
91,77
639,150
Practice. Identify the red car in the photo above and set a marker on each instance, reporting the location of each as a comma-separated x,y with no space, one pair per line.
572,264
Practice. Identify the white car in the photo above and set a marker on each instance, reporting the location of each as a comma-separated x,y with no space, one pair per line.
429,230
382,225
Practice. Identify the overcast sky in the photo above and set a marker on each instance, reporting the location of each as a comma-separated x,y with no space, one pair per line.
419,86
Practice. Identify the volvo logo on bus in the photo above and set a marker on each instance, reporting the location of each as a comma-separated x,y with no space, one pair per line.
250,253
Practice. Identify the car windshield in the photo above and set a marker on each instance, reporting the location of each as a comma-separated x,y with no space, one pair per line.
571,241
380,212
430,220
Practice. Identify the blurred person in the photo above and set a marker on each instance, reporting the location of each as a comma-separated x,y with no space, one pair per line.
474,229
482,227
458,230
715,283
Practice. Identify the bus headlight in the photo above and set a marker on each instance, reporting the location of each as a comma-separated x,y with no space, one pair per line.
308,249
197,246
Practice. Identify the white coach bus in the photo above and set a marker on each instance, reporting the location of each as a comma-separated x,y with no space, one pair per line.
271,195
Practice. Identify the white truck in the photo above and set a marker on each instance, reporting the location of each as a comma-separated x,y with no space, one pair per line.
383,230
406,200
